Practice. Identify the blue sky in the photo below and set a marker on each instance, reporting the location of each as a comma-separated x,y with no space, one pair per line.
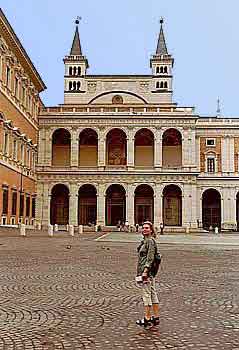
118,37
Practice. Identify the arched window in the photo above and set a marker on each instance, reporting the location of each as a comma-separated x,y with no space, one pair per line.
211,163
74,70
165,69
157,70
165,84
157,85
74,85
161,85
78,85
70,85
161,69
70,71
79,70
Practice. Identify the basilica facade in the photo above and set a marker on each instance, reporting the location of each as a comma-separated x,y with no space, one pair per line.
120,150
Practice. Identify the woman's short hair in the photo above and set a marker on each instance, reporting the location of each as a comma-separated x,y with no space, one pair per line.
153,232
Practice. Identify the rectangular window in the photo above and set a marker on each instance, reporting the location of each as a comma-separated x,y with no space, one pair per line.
5,146
22,154
210,165
5,201
16,87
14,203
8,77
28,158
27,206
23,95
14,152
211,142
21,209
33,207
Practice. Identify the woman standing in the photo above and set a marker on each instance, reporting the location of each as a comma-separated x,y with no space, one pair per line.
145,277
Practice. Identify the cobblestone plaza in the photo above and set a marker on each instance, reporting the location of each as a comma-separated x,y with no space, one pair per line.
78,293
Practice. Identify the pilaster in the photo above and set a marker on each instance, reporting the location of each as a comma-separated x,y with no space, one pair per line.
73,205
101,205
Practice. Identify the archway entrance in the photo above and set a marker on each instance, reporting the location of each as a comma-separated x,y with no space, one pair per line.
59,205
88,148
211,209
144,204
61,148
172,148
87,205
115,205
172,206
116,142
144,148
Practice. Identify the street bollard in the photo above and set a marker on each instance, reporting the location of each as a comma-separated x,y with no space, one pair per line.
22,230
56,228
38,226
71,230
216,230
80,229
96,228
67,227
50,230
187,229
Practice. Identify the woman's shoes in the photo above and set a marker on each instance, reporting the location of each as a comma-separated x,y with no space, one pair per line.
155,320
144,323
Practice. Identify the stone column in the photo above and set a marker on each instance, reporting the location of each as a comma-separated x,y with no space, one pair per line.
158,205
158,149
73,205
48,147
130,148
41,147
74,148
46,206
197,154
101,151
193,148
39,202
185,149
101,205
130,204
228,208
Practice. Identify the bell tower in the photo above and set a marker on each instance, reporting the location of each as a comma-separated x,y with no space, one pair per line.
161,64
75,66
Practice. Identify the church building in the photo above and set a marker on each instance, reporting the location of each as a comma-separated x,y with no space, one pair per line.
120,150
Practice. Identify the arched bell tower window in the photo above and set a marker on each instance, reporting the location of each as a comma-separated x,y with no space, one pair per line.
74,70
161,85
165,84
70,71
78,85
74,85
70,85
157,70
165,69
79,70
157,85
161,69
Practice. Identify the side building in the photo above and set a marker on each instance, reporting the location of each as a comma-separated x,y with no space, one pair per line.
20,85
120,149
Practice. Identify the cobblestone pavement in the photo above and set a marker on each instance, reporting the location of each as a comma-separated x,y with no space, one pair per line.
78,293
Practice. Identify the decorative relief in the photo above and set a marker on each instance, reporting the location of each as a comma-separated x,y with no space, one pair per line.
92,86
144,86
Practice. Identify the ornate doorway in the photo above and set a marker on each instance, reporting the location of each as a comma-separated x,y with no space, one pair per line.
59,205
172,206
144,204
87,205
211,209
115,205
